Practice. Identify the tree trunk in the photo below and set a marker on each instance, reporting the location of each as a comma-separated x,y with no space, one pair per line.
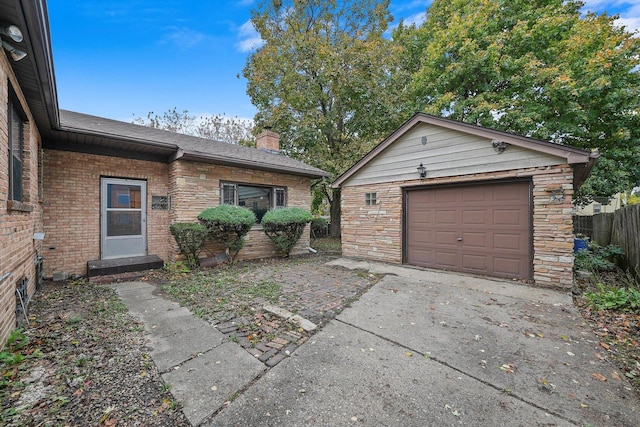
334,230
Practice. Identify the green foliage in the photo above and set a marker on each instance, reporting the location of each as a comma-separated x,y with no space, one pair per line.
319,226
191,238
619,299
13,352
597,258
633,199
285,227
228,224
539,68
324,80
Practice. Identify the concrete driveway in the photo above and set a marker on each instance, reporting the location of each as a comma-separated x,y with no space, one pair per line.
427,348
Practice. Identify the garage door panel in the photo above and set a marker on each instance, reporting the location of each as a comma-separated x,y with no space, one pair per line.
474,263
446,259
477,240
445,238
504,217
445,216
493,220
502,241
506,267
445,196
474,217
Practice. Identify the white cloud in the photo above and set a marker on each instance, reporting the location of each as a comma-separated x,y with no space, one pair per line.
249,38
629,11
417,19
184,37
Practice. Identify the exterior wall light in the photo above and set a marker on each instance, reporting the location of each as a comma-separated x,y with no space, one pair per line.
499,146
14,33
422,171
15,53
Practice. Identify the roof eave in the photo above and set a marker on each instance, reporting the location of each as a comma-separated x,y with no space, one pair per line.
199,156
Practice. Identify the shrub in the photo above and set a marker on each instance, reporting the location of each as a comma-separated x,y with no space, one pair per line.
284,227
190,237
319,227
228,224
619,299
598,258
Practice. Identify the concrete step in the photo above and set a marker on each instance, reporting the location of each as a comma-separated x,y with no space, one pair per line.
104,267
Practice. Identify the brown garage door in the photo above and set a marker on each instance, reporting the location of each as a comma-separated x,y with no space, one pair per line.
481,229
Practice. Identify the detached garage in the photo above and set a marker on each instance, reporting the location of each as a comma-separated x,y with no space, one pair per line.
453,196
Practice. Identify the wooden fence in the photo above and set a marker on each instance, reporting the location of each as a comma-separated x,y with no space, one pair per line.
621,228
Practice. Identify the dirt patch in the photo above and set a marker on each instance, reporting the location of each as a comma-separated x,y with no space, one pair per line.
82,361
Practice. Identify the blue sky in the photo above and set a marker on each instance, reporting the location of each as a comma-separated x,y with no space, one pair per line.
124,58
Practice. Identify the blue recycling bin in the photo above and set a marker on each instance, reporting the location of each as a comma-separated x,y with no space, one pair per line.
580,244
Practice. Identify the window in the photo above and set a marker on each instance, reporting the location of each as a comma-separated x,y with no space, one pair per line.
16,158
257,198
370,199
597,208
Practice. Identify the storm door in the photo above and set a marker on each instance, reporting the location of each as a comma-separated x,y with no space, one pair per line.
123,224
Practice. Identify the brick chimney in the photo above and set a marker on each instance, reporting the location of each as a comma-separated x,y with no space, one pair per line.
268,140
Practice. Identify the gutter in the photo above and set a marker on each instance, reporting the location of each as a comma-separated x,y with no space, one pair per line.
230,161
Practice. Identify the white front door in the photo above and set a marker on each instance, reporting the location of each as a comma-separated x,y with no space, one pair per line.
123,224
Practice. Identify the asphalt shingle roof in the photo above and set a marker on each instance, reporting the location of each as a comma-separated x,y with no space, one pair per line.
184,146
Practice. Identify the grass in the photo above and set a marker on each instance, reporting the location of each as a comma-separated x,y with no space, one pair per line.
327,245
219,293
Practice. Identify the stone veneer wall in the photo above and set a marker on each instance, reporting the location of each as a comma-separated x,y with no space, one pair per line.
18,221
375,232
195,186
72,207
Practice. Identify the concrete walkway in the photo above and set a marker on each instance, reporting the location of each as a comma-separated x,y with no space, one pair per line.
203,368
419,348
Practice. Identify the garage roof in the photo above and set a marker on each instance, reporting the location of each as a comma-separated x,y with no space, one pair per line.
581,160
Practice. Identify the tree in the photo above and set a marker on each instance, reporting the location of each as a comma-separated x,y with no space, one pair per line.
534,67
233,130
324,79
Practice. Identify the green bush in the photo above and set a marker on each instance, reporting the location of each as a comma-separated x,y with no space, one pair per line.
228,224
598,258
619,299
319,227
190,237
284,227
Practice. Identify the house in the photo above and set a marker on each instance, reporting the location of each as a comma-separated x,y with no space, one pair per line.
77,190
443,194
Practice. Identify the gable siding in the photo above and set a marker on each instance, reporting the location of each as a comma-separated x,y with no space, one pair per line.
446,153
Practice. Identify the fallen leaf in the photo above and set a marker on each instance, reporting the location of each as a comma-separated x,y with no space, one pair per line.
599,377
616,376
605,345
600,357
409,354
509,368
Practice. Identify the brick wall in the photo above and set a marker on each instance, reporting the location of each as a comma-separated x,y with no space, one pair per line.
195,186
375,232
18,222
72,207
